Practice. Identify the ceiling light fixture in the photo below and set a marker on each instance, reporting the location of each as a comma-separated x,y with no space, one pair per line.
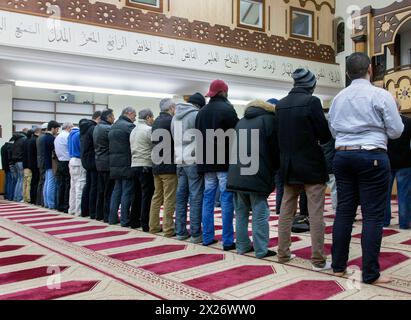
66,87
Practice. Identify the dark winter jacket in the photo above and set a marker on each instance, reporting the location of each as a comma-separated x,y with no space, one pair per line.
259,115
163,121
101,146
219,113
120,152
40,151
6,156
302,127
329,154
88,156
48,148
18,147
31,149
399,150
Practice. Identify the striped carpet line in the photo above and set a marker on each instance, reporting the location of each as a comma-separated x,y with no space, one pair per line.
18,219
4,212
75,230
45,220
22,213
19,259
232,277
9,248
147,252
45,293
96,236
118,243
58,225
185,263
27,274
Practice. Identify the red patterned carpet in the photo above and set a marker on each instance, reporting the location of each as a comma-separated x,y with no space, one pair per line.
48,255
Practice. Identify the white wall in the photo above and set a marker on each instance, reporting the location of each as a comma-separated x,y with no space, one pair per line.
342,10
6,96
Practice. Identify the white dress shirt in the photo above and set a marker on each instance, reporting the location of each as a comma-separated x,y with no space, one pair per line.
365,116
61,146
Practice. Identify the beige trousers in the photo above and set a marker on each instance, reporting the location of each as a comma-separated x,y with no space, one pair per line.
27,185
316,200
165,193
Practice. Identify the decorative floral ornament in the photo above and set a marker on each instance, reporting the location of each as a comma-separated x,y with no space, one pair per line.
222,35
78,9
180,27
241,38
46,4
131,18
386,27
294,47
201,31
156,23
260,41
310,50
278,45
105,14
17,3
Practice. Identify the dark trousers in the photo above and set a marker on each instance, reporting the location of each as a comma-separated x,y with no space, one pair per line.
63,185
105,187
35,179
40,187
122,194
143,193
279,187
363,178
89,197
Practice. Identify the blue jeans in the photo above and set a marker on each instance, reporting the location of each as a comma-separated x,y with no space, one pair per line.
190,189
244,203
18,191
214,180
49,191
122,194
10,186
362,179
404,198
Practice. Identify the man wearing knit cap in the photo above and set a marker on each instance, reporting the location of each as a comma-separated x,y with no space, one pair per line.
190,183
302,127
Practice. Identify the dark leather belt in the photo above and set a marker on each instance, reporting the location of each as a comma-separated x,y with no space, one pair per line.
360,149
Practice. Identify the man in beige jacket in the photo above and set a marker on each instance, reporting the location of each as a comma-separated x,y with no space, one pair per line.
142,166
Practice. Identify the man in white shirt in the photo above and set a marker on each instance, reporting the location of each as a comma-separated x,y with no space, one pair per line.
63,171
362,118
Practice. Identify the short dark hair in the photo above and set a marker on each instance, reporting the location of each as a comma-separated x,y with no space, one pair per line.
96,115
106,113
52,125
357,65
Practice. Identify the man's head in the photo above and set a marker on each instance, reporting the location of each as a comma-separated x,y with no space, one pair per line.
218,88
147,116
168,105
67,126
304,78
108,116
36,130
96,116
198,100
359,66
53,127
130,113
44,126
273,101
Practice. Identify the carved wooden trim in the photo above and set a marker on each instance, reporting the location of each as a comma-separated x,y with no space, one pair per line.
154,23
318,6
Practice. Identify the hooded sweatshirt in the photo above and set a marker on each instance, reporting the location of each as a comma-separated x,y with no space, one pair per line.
184,147
74,143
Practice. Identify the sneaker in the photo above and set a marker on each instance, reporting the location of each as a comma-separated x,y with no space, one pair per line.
211,243
327,266
229,248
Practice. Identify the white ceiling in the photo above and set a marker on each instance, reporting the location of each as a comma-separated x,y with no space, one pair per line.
34,65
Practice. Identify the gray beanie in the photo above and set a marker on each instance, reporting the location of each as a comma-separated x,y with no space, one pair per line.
304,78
